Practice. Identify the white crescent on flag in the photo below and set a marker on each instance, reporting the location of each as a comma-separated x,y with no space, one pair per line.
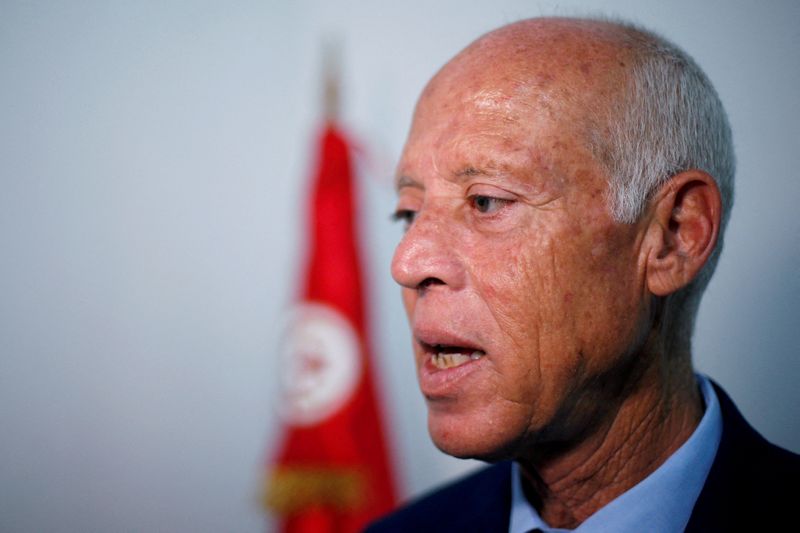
320,365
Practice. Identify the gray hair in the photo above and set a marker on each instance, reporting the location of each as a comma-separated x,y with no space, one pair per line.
670,119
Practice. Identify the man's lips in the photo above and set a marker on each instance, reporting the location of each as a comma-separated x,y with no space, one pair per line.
444,356
445,347
445,361
430,336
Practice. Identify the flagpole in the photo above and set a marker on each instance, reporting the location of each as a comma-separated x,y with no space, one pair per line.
331,65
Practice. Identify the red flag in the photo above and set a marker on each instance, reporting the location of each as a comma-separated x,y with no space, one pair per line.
332,472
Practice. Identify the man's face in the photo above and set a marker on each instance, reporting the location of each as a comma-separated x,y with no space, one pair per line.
526,300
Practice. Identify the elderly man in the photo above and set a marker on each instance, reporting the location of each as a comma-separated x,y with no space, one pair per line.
564,188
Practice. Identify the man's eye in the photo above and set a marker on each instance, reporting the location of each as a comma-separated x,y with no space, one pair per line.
487,204
406,216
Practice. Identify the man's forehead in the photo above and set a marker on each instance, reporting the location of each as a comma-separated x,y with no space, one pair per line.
554,76
566,58
533,162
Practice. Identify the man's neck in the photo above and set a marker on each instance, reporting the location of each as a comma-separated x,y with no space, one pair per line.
649,425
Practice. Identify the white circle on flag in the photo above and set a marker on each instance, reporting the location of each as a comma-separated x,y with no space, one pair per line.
320,364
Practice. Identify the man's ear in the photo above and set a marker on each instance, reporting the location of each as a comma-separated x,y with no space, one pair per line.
682,232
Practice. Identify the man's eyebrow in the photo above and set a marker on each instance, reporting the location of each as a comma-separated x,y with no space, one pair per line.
466,172
470,171
406,181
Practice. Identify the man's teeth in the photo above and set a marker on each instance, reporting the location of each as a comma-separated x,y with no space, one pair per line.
444,360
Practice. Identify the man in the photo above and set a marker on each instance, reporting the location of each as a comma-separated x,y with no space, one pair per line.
565,186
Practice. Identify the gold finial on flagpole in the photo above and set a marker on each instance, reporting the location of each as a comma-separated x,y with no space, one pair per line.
331,59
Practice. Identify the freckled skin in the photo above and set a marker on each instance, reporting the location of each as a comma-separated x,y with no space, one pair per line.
505,278
547,283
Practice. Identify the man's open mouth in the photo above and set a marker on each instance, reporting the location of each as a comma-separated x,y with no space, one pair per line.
445,356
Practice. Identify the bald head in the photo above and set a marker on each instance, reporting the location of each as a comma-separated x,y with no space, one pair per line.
637,104
563,67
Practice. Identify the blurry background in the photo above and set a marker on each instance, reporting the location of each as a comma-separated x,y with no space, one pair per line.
153,165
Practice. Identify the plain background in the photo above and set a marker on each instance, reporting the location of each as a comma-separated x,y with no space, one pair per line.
153,158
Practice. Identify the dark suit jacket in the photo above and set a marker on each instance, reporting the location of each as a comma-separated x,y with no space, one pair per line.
751,487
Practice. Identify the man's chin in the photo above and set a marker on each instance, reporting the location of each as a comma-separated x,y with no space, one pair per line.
472,443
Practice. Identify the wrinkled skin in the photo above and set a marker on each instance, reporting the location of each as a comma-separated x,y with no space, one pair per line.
511,250
543,280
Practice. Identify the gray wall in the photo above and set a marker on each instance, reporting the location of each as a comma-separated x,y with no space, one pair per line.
152,163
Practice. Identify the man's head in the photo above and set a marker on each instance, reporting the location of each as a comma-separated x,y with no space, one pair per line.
552,216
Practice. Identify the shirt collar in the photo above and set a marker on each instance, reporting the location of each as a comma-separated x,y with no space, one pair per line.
663,500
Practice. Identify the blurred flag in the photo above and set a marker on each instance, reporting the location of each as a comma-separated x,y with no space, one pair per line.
332,471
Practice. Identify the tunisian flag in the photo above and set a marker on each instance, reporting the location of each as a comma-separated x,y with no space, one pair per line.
332,472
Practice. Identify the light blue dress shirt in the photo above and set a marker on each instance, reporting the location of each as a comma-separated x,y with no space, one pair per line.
661,502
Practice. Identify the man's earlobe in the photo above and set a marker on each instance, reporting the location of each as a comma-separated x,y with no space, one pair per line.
683,230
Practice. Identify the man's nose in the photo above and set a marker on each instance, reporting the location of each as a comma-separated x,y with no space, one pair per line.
426,256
